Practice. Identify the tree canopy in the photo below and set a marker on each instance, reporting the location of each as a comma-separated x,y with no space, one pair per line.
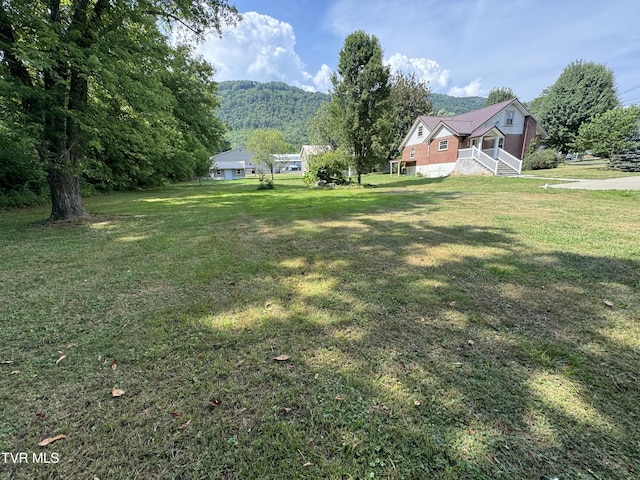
410,97
99,92
499,94
266,144
583,90
360,97
609,132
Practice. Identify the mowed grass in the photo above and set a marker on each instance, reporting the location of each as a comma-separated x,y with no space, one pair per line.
477,328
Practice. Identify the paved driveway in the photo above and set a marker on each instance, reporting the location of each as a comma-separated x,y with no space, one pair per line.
622,183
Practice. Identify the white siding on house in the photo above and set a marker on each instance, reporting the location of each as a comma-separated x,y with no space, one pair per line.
500,120
444,132
414,138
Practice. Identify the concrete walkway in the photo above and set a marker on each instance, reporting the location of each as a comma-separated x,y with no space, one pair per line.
621,183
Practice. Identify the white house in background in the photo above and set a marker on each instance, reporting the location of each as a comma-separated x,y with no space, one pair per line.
238,163
287,162
232,164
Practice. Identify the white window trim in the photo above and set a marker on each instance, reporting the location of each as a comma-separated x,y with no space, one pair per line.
509,121
412,153
443,145
420,131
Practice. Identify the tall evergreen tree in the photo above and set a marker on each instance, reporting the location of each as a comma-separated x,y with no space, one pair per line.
583,90
54,54
360,98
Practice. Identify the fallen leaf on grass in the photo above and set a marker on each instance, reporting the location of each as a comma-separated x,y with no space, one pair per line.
49,440
41,416
6,362
340,397
308,464
114,365
471,342
185,424
214,403
15,372
175,414
116,392
416,403
608,303
286,409
60,359
282,358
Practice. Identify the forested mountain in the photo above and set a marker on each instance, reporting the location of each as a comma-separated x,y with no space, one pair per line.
456,105
247,105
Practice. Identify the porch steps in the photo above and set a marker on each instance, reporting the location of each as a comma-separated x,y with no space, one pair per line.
505,170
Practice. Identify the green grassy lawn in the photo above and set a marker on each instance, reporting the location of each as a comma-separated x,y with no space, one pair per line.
476,328
592,169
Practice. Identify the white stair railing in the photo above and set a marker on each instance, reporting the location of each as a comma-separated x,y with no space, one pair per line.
509,160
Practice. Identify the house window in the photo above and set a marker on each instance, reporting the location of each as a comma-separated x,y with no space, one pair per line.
238,171
412,153
443,145
501,143
218,171
420,131
510,115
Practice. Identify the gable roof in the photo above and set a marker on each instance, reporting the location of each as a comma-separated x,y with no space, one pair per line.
466,124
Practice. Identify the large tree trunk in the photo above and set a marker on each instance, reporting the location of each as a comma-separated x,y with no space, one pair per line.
66,200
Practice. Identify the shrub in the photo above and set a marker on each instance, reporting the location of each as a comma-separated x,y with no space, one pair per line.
627,160
541,159
264,182
326,168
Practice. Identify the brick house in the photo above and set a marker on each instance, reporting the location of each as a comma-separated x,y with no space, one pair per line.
488,141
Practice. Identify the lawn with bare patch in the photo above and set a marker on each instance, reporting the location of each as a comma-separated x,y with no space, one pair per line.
479,328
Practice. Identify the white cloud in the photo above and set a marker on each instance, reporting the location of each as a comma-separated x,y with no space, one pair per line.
427,70
474,89
261,48
322,79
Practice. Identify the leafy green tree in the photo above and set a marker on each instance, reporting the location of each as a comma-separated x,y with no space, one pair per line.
583,90
266,144
328,167
410,97
324,128
609,132
55,55
360,98
499,94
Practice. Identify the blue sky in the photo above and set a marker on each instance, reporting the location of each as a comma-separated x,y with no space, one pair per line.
461,47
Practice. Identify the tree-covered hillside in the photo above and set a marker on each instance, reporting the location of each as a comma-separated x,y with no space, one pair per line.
248,105
456,105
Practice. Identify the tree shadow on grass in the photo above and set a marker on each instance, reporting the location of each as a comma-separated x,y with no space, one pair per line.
513,378
417,350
